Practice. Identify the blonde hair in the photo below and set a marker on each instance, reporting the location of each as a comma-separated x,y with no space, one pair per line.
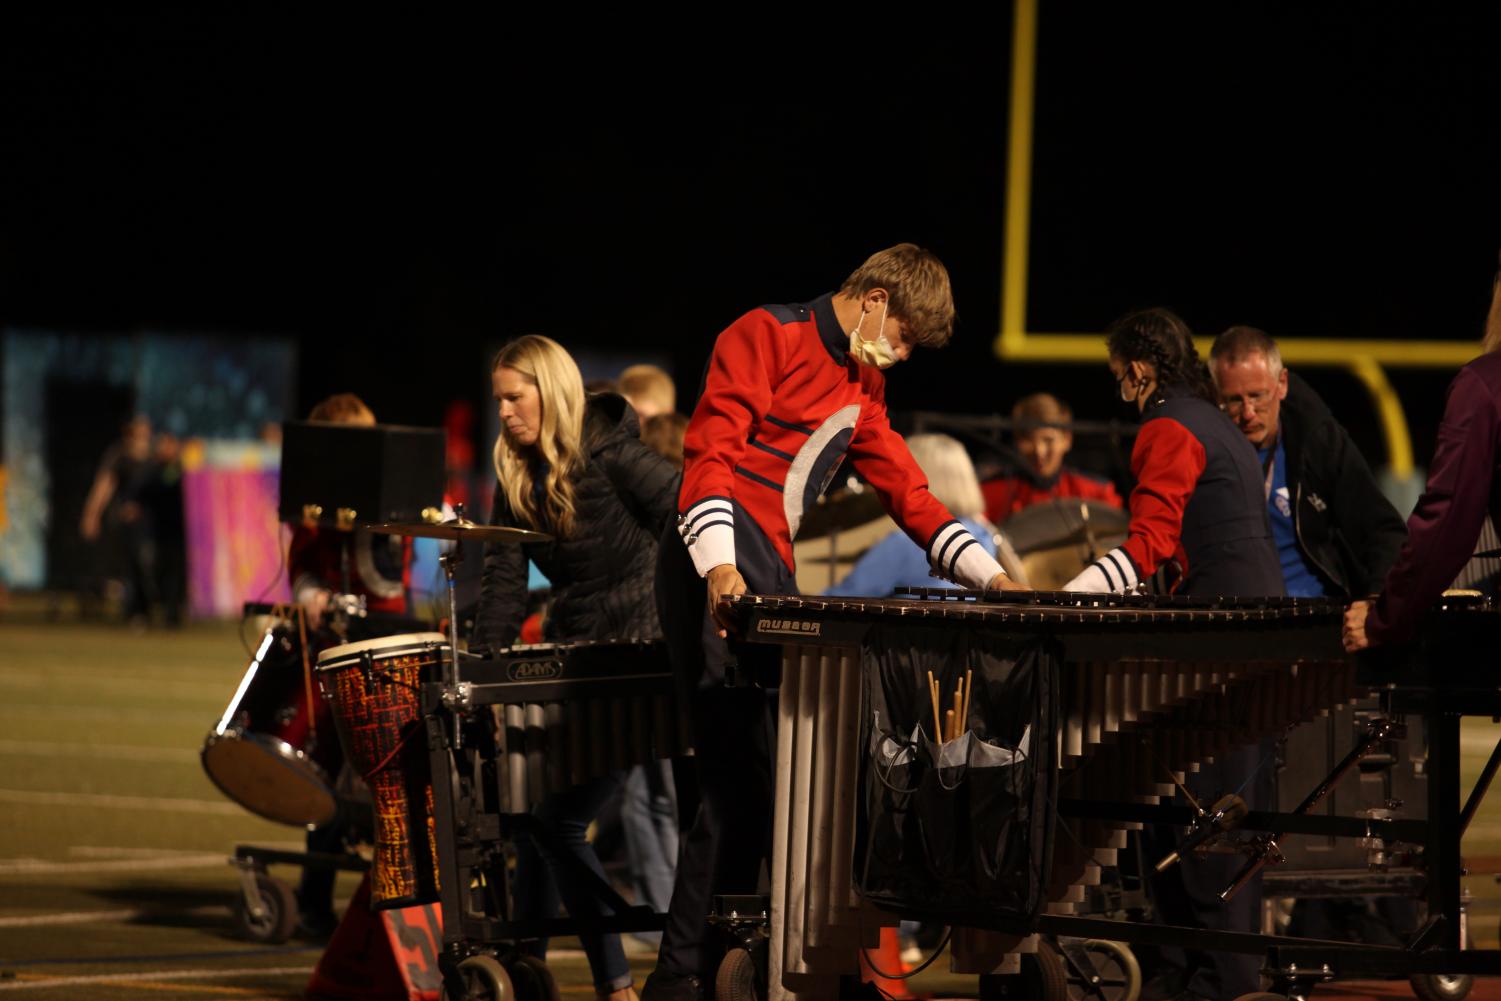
918,285
1492,339
951,474
649,382
663,434
545,364
342,408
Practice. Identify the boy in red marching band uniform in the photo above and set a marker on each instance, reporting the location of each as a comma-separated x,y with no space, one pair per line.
790,391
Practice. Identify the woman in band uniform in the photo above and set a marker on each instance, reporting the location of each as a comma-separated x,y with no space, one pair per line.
572,467
1199,511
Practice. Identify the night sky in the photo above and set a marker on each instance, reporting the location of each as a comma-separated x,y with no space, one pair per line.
399,197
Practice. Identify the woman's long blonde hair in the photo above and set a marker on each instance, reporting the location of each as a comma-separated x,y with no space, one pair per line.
544,363
1492,339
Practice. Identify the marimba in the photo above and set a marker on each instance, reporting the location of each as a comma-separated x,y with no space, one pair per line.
1148,689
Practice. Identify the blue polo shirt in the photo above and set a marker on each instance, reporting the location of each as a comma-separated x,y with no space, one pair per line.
1300,581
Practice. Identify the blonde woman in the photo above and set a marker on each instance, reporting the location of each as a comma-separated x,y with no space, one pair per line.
571,466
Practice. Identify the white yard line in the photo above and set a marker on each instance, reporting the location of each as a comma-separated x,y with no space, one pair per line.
31,981
108,801
39,867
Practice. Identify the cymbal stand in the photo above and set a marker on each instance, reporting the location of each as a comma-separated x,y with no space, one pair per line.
455,695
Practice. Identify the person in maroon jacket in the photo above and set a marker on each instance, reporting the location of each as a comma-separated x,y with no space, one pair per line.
790,390
1464,485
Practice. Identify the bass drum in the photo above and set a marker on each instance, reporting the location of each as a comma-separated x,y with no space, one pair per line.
275,751
1057,539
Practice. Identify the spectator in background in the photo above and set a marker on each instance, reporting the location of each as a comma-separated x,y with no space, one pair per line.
663,434
896,560
1041,426
649,390
162,502
113,513
1336,533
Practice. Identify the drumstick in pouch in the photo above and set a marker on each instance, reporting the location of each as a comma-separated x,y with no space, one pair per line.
933,697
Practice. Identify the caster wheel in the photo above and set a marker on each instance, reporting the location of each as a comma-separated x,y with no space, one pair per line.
736,978
1441,986
1042,978
1115,966
484,980
278,911
532,980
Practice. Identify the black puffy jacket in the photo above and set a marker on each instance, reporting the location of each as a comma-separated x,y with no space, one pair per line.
624,496
1348,532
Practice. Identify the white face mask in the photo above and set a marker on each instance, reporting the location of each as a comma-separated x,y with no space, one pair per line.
878,352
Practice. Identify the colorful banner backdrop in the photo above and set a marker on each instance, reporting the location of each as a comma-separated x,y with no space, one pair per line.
236,547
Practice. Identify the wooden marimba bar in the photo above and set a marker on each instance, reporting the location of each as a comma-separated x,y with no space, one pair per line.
1151,688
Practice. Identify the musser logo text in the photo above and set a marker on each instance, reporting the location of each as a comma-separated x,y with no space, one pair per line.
789,627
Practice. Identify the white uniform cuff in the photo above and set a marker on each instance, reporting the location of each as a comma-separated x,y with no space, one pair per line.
1113,573
956,555
708,530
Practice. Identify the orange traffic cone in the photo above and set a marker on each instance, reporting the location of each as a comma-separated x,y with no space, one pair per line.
877,963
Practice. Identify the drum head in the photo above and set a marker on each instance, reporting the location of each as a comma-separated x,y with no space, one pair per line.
384,646
270,778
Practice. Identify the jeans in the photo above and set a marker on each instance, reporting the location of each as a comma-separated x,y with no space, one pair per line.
541,880
648,816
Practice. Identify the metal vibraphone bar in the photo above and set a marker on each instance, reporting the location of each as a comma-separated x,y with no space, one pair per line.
1151,688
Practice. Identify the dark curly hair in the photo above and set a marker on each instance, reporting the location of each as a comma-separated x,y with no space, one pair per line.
1161,337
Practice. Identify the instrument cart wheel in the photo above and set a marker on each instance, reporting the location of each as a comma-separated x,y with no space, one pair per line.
735,979
484,980
1444,986
1113,974
532,980
272,916
1042,978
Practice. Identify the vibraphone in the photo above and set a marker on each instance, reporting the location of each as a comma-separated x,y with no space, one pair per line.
1148,686
559,715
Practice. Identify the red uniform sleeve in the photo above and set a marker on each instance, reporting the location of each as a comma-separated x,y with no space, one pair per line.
1444,527
1167,462
881,456
744,370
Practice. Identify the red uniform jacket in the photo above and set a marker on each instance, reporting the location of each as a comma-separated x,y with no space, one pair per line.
782,405
1006,495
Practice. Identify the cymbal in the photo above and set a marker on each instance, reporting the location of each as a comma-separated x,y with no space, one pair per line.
460,529
1062,522
838,511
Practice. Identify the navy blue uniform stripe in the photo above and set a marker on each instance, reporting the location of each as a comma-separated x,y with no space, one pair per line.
788,425
934,537
954,560
758,479
773,451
